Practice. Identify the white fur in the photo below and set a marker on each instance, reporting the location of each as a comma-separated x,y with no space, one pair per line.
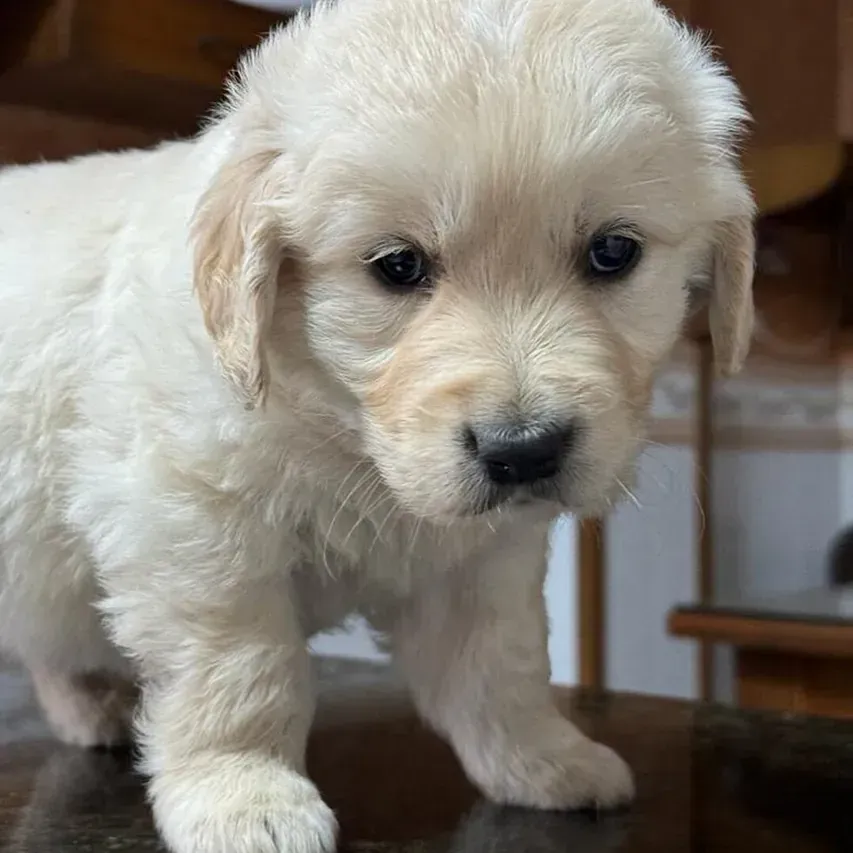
221,473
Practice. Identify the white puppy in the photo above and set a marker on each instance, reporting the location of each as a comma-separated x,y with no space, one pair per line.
352,349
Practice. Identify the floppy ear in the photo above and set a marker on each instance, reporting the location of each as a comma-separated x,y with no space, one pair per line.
731,313
236,263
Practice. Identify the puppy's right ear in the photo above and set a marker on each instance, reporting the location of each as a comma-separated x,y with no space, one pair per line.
237,255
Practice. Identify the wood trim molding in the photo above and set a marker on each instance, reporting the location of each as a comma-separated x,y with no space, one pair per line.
705,551
592,604
822,639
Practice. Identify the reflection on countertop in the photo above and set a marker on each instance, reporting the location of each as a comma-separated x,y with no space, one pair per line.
709,779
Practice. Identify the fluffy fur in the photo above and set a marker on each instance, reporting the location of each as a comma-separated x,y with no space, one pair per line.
219,433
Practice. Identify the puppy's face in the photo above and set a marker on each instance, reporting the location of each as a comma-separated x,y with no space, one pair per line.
498,211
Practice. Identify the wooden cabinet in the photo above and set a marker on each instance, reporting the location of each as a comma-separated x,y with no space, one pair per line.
794,63
153,63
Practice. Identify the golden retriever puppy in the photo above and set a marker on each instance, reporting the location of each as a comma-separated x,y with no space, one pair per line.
352,349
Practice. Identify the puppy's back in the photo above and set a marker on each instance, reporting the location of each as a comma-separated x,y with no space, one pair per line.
58,221
82,245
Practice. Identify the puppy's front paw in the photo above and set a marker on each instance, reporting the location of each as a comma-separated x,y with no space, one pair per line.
241,805
572,773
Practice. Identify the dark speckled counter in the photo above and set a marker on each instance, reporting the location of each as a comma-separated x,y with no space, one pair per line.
710,781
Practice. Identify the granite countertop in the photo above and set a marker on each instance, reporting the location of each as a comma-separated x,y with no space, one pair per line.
709,780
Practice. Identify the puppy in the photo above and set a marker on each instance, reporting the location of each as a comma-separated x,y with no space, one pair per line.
352,349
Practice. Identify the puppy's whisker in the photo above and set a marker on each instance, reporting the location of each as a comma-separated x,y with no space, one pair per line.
361,518
342,505
649,443
415,532
376,501
372,504
703,520
378,535
673,476
328,440
359,464
648,182
630,495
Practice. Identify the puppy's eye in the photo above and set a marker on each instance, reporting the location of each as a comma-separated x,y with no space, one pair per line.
404,269
612,255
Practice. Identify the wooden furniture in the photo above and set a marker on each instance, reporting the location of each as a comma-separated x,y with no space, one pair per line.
792,653
157,64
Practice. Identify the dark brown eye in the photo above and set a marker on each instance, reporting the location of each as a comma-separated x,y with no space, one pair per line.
612,255
405,269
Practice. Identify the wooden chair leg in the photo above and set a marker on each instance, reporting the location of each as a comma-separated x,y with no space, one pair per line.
591,604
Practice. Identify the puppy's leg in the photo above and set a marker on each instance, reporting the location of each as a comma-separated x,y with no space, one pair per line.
474,648
50,624
225,745
86,709
227,701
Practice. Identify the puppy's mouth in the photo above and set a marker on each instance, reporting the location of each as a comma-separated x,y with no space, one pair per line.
496,499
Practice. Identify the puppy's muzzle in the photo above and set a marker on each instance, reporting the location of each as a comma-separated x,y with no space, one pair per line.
511,455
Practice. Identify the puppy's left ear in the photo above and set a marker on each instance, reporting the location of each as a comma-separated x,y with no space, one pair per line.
731,313
237,257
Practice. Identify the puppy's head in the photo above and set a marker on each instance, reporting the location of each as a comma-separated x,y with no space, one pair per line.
486,220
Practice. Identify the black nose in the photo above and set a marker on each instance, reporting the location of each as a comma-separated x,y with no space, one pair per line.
514,455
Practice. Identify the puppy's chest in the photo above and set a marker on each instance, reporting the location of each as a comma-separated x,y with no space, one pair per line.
350,564
386,549
372,541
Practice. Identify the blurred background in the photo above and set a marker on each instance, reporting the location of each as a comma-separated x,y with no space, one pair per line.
727,575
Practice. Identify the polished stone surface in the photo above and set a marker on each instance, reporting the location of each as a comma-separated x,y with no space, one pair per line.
710,781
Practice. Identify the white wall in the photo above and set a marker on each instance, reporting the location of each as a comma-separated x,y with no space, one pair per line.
775,513
561,601
651,567
351,641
